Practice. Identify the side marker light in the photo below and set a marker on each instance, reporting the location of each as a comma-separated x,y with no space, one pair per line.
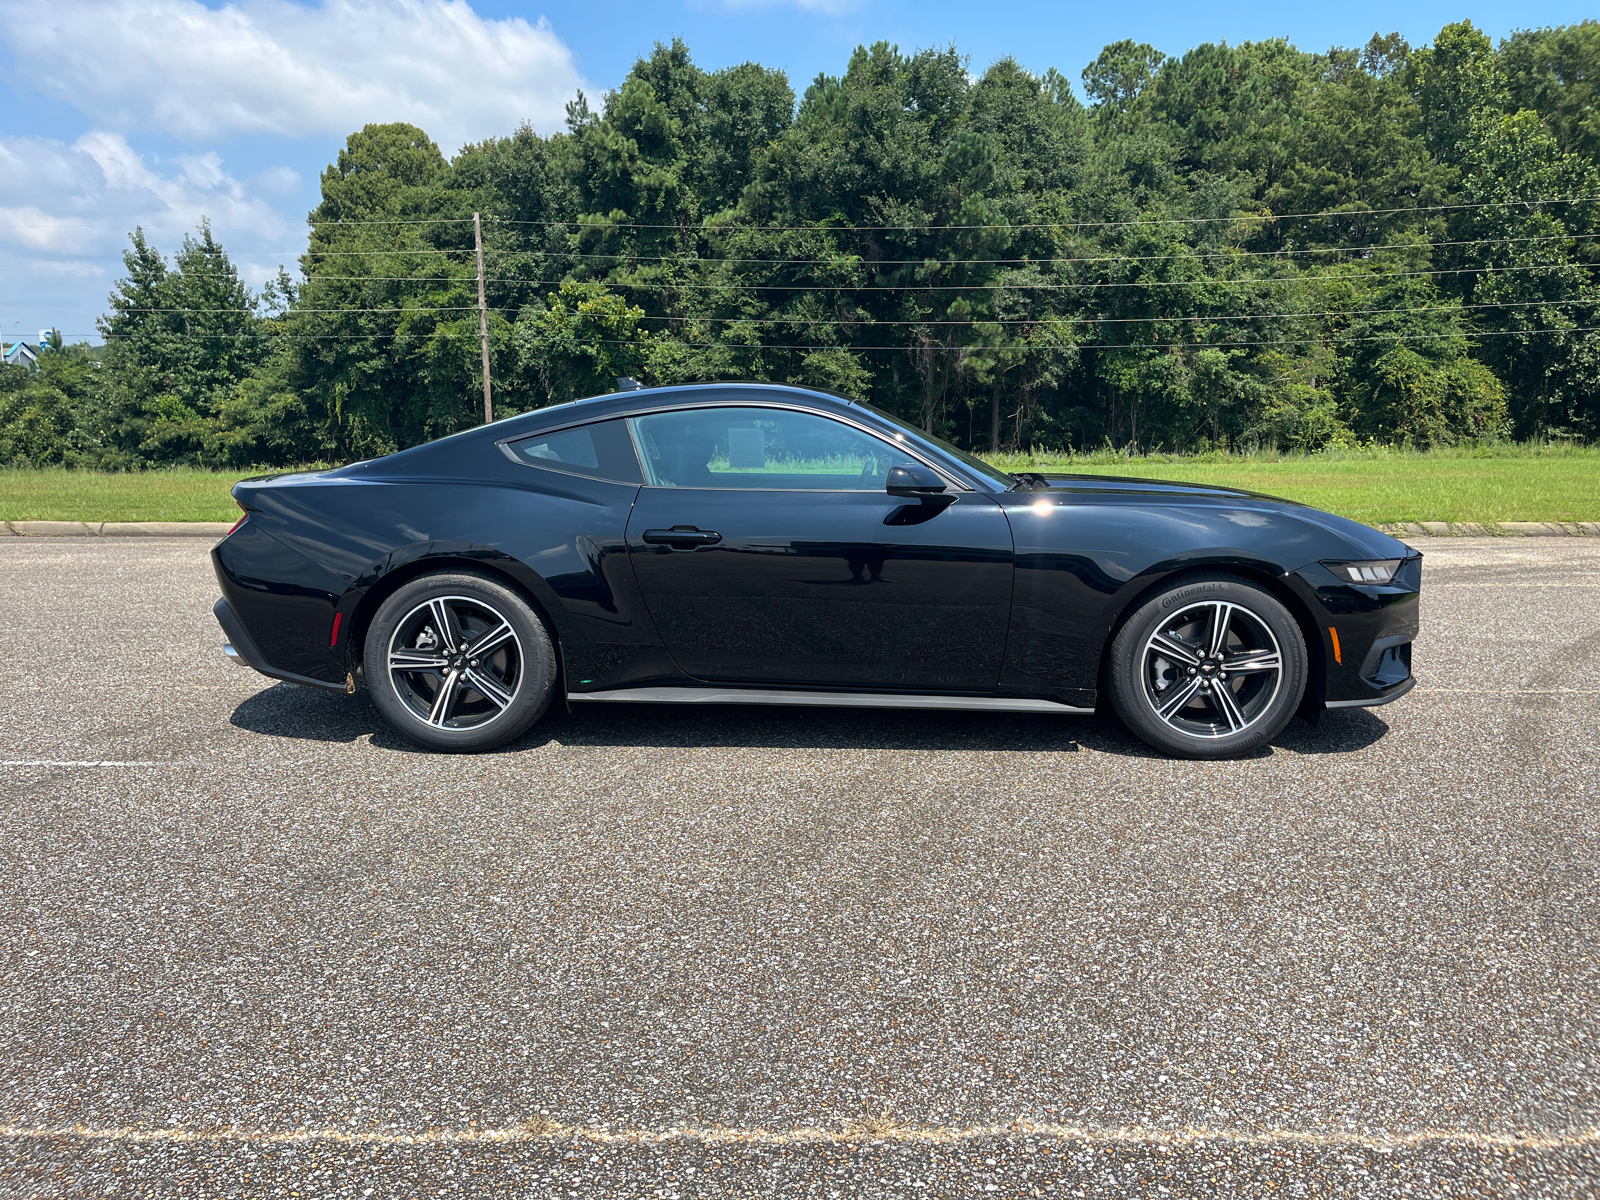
1338,655
334,640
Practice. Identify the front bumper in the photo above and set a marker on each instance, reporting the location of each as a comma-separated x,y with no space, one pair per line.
1367,631
1394,693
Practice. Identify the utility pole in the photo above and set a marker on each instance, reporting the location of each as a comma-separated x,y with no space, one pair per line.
483,321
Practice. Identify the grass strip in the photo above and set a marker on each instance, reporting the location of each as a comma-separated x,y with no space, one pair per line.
70,495
1378,491
1375,486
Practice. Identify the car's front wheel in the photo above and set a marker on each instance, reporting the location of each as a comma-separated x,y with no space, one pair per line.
1213,667
459,662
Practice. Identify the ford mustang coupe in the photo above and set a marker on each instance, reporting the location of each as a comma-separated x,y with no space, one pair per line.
760,544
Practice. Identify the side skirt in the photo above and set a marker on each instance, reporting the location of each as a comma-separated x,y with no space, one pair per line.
704,695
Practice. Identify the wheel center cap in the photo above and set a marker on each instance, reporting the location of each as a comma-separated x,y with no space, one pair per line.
1208,667
459,661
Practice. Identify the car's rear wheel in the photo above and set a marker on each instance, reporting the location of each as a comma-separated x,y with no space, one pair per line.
459,662
1213,667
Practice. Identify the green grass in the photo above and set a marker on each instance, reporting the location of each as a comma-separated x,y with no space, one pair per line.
67,495
1380,486
1502,483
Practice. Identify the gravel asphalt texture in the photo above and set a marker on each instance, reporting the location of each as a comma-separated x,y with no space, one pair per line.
254,944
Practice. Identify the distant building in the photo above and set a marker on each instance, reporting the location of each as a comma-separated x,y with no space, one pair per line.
20,354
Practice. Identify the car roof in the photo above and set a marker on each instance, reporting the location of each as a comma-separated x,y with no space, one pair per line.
635,399
613,404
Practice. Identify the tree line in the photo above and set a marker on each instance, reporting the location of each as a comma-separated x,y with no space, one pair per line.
1246,245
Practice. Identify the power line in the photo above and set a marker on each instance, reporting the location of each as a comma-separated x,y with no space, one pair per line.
846,323
821,227
936,346
1072,319
1210,281
855,260
1260,217
1027,260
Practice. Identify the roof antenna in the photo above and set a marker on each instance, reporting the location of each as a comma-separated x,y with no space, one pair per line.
626,383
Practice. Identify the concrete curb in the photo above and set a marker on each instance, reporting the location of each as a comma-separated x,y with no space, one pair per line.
1493,529
149,529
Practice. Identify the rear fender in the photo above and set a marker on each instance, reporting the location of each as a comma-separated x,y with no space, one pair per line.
361,603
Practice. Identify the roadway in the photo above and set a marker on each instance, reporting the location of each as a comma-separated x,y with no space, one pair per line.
253,944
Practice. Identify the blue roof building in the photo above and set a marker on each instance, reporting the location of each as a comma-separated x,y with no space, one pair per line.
20,354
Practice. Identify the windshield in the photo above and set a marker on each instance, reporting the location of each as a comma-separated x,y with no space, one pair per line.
991,475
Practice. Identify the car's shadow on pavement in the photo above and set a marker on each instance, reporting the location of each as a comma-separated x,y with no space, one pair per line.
288,711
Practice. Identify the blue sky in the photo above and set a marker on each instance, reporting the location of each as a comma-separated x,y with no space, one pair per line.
114,114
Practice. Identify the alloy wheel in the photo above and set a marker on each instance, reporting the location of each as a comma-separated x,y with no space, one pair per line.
455,662
1211,670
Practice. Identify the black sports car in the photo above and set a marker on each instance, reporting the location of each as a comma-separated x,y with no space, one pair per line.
758,544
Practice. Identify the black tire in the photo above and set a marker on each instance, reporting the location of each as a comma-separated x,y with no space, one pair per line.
493,696
1172,687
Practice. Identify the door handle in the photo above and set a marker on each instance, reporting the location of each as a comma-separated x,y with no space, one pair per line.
681,537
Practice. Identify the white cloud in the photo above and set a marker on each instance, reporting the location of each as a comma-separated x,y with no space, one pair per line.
275,67
277,181
66,211
32,227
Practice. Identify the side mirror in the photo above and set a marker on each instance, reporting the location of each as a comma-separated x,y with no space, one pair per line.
914,479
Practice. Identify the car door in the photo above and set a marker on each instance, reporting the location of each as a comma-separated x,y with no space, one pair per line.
768,551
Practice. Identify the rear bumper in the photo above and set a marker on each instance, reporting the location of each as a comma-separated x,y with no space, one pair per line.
241,648
280,608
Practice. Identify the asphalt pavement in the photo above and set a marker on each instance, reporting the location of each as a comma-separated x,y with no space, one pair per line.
254,944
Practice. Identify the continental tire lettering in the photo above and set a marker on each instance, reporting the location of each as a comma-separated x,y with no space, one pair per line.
1183,594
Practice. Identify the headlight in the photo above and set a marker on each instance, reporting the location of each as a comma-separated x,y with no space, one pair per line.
1375,571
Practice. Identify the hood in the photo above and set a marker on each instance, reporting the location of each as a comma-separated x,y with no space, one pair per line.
1364,541
1122,485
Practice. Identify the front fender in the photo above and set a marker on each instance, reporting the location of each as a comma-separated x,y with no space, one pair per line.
1081,561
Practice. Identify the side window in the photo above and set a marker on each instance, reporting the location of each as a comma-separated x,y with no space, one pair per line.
769,448
603,450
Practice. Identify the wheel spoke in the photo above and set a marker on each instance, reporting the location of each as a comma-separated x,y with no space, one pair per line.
416,660
467,670
1170,647
1224,646
489,641
444,699
1221,615
1224,701
1187,692
1253,660
489,688
444,623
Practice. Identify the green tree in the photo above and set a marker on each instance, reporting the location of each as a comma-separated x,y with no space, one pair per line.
1556,73
178,338
1243,245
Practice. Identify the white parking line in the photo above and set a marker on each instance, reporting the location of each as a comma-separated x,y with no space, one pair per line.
1492,691
543,1130
78,762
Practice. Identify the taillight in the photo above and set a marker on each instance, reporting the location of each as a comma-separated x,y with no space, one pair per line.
236,525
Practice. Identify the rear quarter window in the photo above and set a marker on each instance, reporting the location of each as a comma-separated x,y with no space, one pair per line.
603,450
